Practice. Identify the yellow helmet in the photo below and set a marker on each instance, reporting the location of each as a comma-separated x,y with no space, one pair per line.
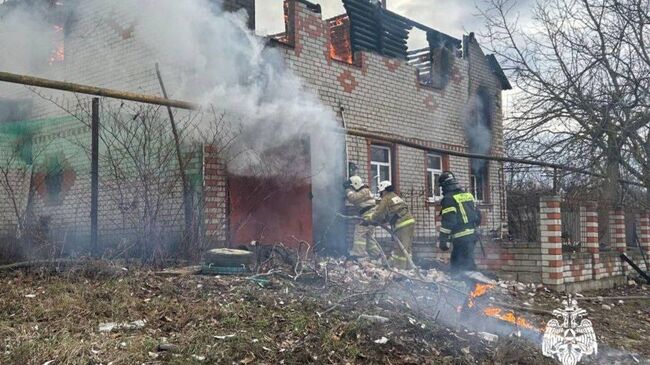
356,182
383,185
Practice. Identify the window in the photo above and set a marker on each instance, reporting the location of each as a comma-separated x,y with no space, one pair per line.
478,180
380,166
434,170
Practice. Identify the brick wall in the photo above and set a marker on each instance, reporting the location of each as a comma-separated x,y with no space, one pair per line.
384,95
215,197
379,94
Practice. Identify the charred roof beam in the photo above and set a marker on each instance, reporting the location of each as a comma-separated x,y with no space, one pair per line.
375,29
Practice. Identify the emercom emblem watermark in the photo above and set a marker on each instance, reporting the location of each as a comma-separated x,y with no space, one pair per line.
568,341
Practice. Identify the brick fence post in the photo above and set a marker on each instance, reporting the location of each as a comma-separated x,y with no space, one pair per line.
617,229
550,228
590,238
214,196
644,232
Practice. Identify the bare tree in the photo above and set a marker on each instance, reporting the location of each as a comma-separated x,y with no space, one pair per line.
582,83
141,170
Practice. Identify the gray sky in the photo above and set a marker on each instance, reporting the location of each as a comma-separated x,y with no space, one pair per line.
454,17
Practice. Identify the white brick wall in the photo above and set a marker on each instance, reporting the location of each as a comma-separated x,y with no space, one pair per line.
387,98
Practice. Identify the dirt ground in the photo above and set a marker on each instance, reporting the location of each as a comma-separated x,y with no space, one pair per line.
53,316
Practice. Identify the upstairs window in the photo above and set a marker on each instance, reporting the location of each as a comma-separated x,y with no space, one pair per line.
434,170
380,166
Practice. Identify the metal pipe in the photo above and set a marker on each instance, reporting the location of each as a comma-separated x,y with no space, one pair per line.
424,145
93,90
94,176
409,142
635,267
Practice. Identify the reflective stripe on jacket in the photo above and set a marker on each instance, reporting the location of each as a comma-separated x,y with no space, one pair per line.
362,199
392,209
459,214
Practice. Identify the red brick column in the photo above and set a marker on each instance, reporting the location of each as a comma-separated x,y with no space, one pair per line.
617,230
550,228
644,230
590,238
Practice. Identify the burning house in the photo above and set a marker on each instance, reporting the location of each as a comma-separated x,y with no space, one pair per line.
304,103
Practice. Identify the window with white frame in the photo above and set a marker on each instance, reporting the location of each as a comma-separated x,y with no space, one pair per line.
434,170
380,166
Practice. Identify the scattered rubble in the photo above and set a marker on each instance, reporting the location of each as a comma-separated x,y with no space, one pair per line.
382,341
112,326
332,310
373,319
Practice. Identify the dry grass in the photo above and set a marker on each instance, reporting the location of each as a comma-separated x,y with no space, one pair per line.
271,325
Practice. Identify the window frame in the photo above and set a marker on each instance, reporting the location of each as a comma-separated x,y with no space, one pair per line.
431,173
375,166
485,192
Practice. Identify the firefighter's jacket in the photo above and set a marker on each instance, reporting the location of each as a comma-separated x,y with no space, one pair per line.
460,217
363,200
391,209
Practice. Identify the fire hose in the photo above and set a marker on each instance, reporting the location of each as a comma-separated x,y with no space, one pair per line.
394,237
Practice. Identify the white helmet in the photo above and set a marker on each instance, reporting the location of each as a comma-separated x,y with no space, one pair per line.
356,182
383,185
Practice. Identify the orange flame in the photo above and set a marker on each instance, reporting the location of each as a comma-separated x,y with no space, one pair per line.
479,291
344,53
58,53
509,317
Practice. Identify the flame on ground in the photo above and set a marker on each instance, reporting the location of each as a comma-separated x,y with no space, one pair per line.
494,312
509,317
479,290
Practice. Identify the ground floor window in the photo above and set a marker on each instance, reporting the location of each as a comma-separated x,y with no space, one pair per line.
380,166
478,180
434,170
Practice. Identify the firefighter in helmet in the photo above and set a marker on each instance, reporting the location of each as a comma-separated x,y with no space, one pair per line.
460,218
360,196
394,210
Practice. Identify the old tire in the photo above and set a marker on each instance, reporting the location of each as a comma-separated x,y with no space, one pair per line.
228,257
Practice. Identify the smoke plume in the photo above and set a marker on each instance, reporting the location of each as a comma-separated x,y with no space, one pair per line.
478,126
207,55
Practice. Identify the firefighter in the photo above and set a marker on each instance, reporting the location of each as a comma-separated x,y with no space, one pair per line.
393,209
460,219
360,196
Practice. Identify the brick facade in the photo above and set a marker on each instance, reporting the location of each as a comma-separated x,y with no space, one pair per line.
379,94
384,96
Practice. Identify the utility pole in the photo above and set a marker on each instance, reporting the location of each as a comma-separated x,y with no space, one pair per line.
94,176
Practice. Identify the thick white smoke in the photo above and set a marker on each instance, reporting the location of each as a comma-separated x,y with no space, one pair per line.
478,126
225,65
207,55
